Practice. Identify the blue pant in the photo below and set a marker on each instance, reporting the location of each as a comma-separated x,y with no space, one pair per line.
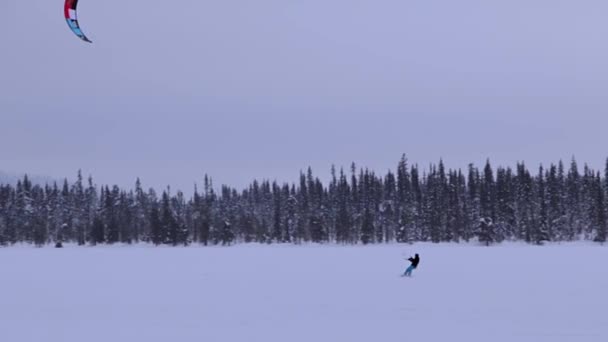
409,270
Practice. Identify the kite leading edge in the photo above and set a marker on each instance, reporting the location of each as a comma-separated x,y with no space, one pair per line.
72,20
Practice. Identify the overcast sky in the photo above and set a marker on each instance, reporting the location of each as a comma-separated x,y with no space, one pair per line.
242,89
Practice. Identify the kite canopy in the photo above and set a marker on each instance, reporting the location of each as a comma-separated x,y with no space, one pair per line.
72,20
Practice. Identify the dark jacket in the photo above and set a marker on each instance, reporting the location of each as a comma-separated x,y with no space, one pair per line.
415,260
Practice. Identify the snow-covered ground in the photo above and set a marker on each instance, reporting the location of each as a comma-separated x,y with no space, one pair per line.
304,293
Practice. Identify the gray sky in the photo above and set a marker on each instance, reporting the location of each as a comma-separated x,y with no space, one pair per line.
261,89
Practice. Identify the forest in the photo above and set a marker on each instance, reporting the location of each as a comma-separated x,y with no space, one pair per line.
356,206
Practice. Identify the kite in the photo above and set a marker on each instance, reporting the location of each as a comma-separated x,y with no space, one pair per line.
72,20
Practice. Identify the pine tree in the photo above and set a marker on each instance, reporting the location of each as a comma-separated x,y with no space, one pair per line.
599,210
141,220
277,226
559,206
367,227
405,203
206,211
111,215
54,212
5,192
64,226
487,198
288,218
343,222
78,216
302,230
97,230
573,200
169,230
39,216
24,211
486,229
505,214
524,211
417,206
156,225
541,230
90,209
474,212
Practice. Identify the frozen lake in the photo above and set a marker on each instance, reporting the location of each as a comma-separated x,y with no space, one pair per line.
304,293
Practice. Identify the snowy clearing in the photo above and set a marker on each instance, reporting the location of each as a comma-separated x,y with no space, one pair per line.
304,293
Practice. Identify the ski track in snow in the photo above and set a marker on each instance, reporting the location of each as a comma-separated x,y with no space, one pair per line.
304,293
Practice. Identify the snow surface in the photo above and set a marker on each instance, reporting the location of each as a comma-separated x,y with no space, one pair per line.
304,293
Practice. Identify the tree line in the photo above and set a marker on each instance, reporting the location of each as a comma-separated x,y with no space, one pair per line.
357,206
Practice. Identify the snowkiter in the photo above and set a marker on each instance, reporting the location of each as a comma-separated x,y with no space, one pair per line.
415,260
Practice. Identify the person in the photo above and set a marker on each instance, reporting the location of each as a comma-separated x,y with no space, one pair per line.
415,260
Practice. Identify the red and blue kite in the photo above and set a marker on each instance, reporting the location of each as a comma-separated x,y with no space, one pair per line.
72,20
